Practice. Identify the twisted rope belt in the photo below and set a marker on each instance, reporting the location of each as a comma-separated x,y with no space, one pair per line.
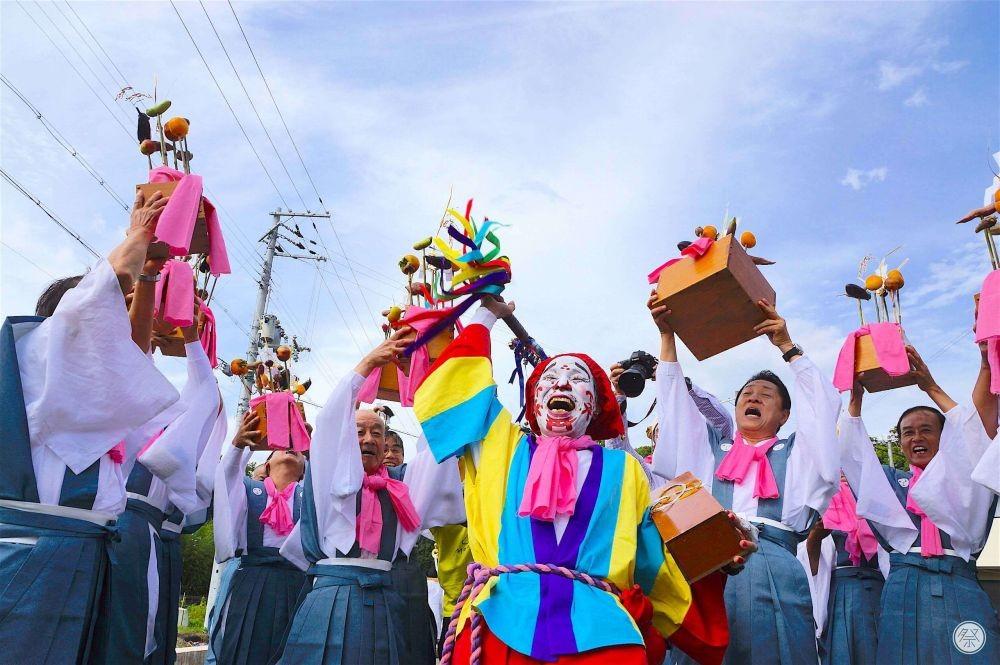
478,576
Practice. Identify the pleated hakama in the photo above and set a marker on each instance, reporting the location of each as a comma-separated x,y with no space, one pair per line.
410,582
851,634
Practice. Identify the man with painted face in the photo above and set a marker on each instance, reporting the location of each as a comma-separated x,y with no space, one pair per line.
934,520
358,518
779,484
570,567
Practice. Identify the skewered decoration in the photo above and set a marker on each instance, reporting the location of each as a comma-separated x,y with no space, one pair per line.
883,284
988,225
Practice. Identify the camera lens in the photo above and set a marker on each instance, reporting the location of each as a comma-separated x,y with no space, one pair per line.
632,381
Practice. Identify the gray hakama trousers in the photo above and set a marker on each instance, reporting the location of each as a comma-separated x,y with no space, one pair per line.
851,634
410,582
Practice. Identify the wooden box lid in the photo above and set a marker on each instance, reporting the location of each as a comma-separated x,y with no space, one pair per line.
199,238
873,377
713,299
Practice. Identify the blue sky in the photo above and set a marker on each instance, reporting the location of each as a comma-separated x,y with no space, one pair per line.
602,133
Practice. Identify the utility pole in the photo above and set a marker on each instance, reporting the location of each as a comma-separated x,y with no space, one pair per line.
264,293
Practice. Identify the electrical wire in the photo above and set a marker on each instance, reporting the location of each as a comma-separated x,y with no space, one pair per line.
97,41
65,227
62,141
27,259
85,42
228,105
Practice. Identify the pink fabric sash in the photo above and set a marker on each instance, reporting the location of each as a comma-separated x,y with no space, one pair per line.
176,224
276,514
285,427
550,488
930,537
889,349
736,464
695,250
208,334
842,515
117,452
369,525
174,296
988,326
369,389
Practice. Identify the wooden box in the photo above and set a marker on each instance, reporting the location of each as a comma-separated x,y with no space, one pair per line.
437,346
873,377
713,299
199,239
388,386
261,412
170,344
695,527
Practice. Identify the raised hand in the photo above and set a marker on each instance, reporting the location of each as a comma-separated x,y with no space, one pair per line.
387,352
145,214
773,326
659,314
497,306
247,434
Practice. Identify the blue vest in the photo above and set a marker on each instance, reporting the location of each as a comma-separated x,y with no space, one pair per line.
767,508
256,503
17,474
900,482
140,480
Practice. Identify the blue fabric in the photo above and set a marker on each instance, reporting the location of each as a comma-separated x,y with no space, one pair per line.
50,592
256,503
900,481
923,602
120,636
351,616
843,557
17,475
225,581
851,633
778,457
409,581
139,480
169,569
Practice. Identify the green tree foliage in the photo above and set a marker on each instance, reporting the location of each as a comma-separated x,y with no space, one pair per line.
644,451
198,557
882,443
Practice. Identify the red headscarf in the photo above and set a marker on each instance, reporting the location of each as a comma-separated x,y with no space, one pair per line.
607,423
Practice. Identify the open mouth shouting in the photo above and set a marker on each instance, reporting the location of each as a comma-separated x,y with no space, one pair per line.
561,405
919,449
369,450
752,412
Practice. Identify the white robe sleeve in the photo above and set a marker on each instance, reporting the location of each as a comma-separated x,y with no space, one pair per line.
812,474
436,492
86,384
209,460
987,471
683,443
946,491
819,584
173,457
335,467
230,505
877,502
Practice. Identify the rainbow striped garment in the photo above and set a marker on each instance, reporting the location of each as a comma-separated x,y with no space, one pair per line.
610,536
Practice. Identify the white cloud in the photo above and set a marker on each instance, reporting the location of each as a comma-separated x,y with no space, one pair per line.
949,67
858,179
892,75
918,98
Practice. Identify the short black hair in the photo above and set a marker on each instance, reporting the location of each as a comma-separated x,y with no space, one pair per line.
770,377
394,435
914,409
53,293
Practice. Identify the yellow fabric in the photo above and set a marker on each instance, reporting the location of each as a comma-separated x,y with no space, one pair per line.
454,557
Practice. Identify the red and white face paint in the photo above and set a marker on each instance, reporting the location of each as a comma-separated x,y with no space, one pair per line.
565,398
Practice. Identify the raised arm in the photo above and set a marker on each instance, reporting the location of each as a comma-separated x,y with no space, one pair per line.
127,258
230,504
983,399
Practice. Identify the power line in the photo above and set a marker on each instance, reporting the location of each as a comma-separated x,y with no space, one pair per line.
349,266
228,105
27,259
252,105
77,71
61,140
48,212
97,41
85,42
277,108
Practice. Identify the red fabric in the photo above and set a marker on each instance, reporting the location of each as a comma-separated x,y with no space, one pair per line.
608,423
637,604
496,652
704,633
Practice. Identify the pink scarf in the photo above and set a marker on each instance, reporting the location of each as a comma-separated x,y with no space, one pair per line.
550,489
736,464
695,250
174,297
285,427
369,525
207,334
842,515
988,326
117,452
889,349
276,515
176,224
930,537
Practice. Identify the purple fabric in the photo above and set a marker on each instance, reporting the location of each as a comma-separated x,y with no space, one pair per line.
554,627
461,237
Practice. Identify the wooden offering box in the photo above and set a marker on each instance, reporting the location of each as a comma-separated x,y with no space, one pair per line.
261,412
199,239
388,387
873,377
436,346
695,528
170,344
713,299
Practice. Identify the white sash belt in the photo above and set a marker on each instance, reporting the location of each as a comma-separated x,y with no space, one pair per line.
376,564
92,516
774,523
916,550
171,527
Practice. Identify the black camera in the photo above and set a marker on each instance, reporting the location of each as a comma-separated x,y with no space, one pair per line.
638,368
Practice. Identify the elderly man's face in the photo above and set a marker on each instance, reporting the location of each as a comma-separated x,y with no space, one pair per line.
759,411
920,437
291,460
371,439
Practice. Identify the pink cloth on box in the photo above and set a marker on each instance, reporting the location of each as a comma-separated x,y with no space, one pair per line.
420,319
208,333
174,296
842,515
988,326
285,426
930,537
695,250
889,349
176,224
369,389
276,513
736,464
369,523
550,488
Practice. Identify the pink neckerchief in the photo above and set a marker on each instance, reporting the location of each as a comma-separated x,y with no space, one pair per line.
737,461
276,514
117,452
550,489
842,515
369,525
930,537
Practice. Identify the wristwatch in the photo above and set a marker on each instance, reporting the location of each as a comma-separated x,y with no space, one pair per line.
796,350
149,278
